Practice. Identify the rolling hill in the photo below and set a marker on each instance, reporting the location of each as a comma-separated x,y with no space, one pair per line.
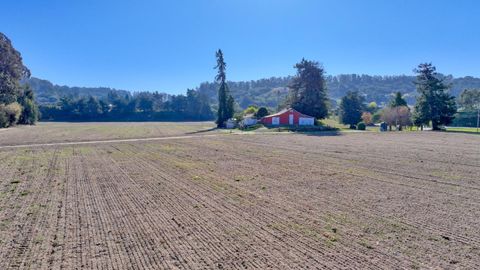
269,92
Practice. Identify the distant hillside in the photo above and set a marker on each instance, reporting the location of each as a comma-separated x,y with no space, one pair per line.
269,92
48,93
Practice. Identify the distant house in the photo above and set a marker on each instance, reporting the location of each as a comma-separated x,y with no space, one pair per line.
231,123
248,120
288,117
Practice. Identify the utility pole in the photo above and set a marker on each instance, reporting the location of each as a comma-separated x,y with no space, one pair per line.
478,118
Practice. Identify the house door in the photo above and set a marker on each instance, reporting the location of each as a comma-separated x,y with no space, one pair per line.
290,119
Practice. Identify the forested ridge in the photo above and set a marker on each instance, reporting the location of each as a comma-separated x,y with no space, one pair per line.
49,93
271,91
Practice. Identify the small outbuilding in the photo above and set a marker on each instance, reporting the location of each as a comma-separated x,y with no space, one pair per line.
288,117
249,120
231,123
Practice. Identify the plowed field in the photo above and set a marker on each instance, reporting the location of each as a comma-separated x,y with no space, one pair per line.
283,201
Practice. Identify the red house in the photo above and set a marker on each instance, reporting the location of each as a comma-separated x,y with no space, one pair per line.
288,117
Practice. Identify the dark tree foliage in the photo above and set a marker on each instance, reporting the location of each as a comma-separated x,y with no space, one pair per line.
262,112
9,89
12,71
17,102
230,109
351,108
141,106
225,100
30,113
11,61
308,91
270,92
469,99
434,104
145,101
397,100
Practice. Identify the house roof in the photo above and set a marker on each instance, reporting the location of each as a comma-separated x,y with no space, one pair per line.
287,110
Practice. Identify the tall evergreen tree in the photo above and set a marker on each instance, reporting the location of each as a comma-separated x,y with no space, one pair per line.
434,104
398,100
351,108
225,100
308,91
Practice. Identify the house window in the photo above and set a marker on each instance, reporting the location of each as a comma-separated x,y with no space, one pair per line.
304,121
275,121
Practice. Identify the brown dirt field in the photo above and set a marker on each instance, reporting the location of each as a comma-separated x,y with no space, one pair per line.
287,201
54,132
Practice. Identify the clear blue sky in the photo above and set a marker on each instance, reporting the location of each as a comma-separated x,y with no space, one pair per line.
169,45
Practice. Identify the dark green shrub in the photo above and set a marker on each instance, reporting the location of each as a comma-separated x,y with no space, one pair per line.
361,126
262,111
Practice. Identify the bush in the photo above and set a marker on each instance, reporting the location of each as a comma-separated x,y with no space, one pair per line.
261,112
361,126
3,117
252,109
377,117
10,114
367,118
29,114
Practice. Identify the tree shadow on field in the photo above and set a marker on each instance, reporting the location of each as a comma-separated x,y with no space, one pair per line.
202,131
320,133
462,132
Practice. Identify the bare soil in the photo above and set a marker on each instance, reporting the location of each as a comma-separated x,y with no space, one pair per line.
55,132
286,201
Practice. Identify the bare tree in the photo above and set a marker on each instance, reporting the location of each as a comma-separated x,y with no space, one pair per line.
397,116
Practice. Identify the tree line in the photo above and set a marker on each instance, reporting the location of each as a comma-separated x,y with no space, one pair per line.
269,92
434,105
141,106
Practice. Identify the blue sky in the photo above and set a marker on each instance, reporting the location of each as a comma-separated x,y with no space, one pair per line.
170,45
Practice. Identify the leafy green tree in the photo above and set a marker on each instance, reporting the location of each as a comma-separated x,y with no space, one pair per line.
351,108
93,108
469,99
434,104
308,91
12,71
30,113
197,106
144,101
372,107
398,100
252,109
225,100
9,89
11,61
